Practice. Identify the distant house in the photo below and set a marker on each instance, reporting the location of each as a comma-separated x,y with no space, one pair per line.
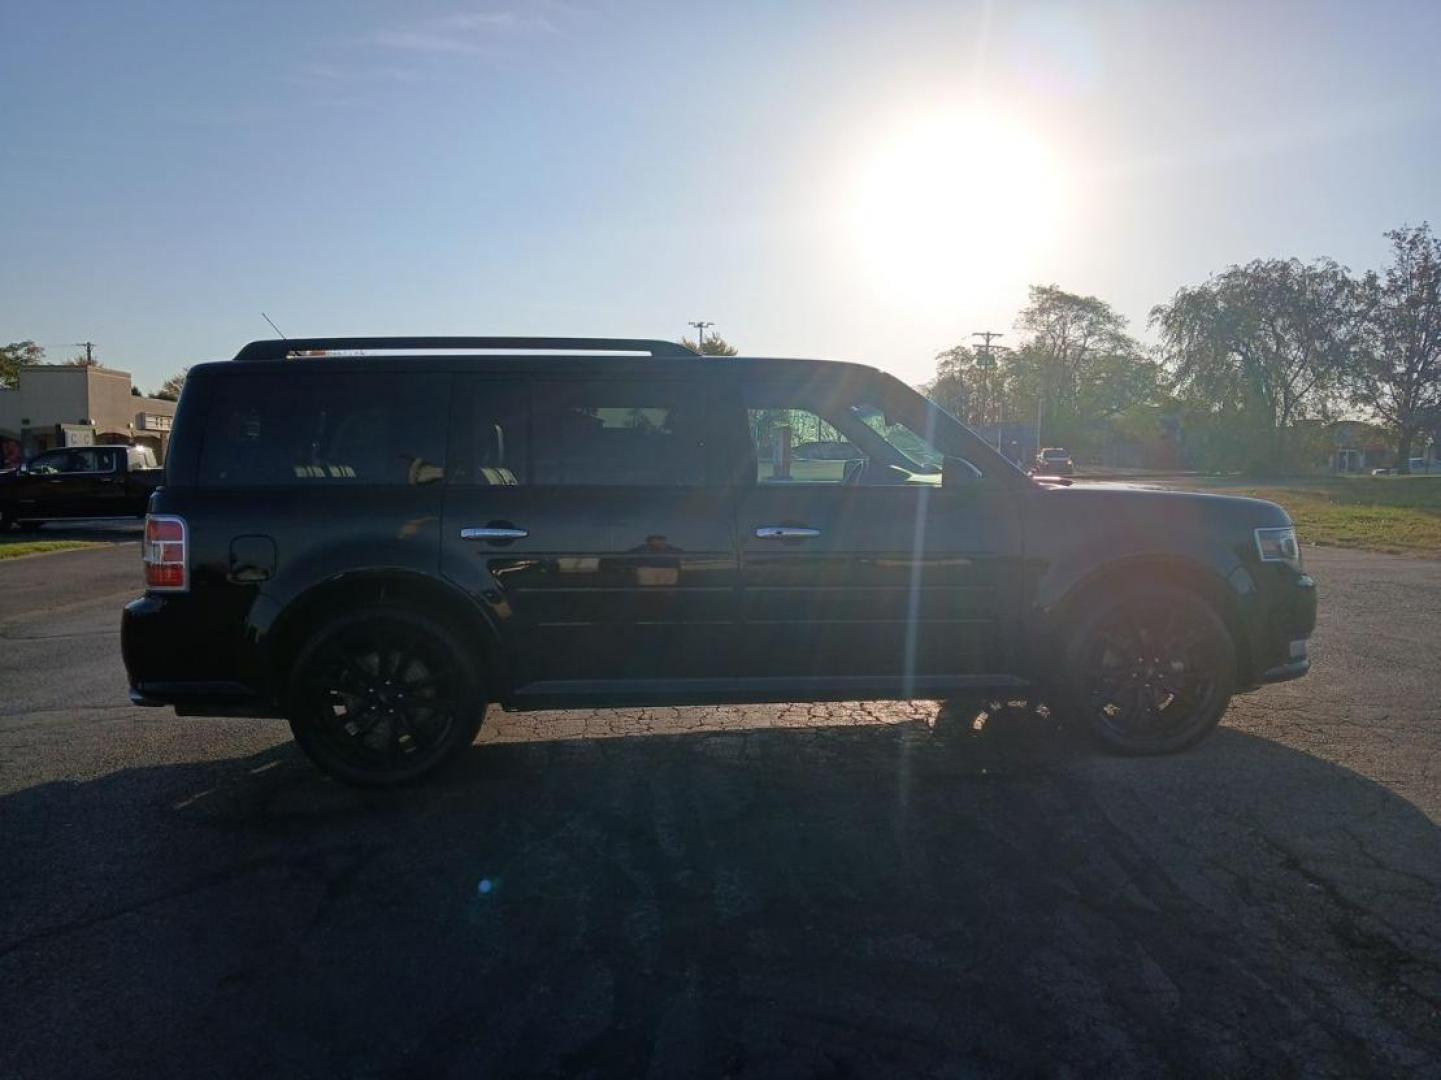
58,405
1353,446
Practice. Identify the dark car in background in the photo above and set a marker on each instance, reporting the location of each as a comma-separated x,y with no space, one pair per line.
79,482
1054,461
378,546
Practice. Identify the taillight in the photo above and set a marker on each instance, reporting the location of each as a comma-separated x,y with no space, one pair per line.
165,554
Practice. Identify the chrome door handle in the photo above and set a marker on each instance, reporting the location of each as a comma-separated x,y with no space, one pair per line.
491,532
785,532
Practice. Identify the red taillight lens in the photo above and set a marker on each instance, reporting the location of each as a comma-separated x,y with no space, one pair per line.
164,553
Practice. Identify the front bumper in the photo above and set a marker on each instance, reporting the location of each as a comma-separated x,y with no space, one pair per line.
1283,617
1298,664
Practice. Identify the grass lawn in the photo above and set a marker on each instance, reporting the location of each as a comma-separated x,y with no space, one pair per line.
13,549
1378,513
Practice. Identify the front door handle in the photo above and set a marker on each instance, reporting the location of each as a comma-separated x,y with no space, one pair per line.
495,533
785,532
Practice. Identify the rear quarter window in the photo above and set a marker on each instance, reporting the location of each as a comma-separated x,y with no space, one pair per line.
316,428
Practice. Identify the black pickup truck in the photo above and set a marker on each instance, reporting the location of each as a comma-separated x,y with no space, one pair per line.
79,482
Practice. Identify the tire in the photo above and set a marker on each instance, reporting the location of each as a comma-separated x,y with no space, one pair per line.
1150,670
383,695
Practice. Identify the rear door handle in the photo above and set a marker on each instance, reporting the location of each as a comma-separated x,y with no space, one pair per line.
495,532
785,532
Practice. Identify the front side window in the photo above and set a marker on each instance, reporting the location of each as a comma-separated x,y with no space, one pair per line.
797,444
827,435
313,428
618,433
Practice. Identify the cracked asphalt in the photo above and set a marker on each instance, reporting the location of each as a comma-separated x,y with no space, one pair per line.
853,889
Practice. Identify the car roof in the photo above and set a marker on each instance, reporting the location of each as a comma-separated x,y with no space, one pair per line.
561,364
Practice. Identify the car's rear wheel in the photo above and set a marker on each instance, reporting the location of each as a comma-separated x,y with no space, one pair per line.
1150,669
383,695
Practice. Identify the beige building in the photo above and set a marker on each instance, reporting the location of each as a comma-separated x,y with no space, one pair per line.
57,405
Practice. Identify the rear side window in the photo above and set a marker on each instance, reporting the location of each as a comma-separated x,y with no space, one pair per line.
314,428
618,433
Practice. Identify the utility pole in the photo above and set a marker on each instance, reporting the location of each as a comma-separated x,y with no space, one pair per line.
89,347
700,329
987,336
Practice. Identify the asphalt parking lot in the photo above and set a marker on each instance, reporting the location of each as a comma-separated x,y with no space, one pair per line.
771,890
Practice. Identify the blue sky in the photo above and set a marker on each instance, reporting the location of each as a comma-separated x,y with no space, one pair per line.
861,181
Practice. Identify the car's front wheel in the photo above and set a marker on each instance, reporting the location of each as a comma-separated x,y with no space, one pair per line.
384,695
1150,669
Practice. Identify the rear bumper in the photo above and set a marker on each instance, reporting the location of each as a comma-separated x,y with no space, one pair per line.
202,699
172,659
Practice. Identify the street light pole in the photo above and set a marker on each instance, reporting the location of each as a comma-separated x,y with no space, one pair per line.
700,329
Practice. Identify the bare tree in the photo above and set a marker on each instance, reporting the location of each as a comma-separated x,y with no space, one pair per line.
171,387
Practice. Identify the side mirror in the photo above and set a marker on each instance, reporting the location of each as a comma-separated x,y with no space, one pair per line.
957,473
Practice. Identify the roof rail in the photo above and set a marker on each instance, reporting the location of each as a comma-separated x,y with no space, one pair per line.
286,347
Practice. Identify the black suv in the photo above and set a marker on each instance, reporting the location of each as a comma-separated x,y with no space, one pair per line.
376,537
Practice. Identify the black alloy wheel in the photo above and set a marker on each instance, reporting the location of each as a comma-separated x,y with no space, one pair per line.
382,696
1151,670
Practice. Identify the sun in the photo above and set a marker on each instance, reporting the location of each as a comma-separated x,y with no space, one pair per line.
950,205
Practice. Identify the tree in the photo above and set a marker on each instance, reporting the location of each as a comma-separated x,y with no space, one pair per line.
171,387
81,360
15,356
135,391
1398,373
1077,366
969,384
1266,343
1067,334
714,345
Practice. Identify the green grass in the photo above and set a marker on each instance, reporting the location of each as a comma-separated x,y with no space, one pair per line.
1377,513
14,549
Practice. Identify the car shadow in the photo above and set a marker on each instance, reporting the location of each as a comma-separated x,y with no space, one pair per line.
771,902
